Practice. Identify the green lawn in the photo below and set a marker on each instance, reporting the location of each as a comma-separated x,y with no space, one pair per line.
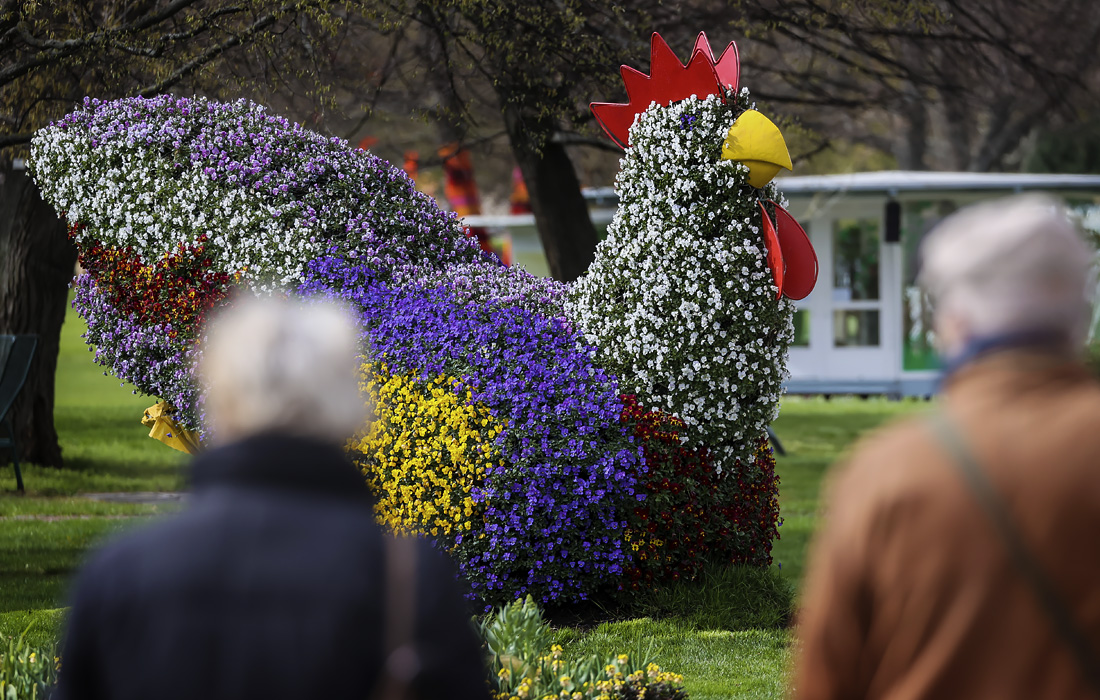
715,663
99,424
45,534
816,433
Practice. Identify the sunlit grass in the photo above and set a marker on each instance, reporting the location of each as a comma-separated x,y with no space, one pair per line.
817,434
714,663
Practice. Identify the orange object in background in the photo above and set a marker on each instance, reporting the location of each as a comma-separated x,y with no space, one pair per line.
520,199
460,188
412,165
459,185
502,246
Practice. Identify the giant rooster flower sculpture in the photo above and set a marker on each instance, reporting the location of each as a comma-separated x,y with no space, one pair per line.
689,297
753,140
555,442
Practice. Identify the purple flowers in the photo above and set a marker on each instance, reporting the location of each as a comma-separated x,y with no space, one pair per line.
262,194
268,194
554,514
145,356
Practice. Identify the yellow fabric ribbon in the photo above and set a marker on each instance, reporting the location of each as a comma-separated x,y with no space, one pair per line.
163,427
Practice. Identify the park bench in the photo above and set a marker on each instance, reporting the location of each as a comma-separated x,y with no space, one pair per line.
16,352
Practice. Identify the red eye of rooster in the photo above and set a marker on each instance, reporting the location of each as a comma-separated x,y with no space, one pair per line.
753,140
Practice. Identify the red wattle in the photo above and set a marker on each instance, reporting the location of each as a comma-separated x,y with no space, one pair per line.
799,258
775,251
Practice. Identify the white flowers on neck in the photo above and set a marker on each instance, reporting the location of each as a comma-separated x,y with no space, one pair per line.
679,299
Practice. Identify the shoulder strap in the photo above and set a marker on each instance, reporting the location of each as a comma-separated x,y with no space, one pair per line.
402,662
952,440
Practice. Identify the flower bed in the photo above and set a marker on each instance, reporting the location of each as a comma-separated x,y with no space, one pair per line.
694,515
529,666
474,374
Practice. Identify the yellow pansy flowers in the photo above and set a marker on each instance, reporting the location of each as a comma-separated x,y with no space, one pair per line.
426,453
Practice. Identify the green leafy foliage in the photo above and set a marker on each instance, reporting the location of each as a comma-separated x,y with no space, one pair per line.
54,53
527,665
26,672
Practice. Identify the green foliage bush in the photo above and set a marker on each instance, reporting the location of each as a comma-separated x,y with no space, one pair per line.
27,672
529,666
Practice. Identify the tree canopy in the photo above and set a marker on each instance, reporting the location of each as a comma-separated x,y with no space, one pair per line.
54,53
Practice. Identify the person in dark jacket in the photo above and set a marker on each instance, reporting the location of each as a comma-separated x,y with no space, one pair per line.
272,583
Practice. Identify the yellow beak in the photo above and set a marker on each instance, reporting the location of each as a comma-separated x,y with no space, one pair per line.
755,141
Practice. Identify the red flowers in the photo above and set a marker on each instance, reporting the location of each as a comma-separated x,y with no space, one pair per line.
693,515
178,289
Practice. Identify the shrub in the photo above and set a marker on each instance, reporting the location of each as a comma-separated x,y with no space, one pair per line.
27,673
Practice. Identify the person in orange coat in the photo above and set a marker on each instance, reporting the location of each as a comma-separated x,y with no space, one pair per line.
911,591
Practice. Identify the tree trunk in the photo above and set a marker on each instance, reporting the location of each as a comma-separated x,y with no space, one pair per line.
561,213
914,144
36,266
958,125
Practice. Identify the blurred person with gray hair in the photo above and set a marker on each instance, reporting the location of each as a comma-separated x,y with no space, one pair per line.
956,557
275,581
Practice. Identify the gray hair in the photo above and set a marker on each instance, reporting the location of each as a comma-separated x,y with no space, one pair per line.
1015,264
273,365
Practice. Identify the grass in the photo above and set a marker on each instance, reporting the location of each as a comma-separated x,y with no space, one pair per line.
816,434
715,663
42,627
724,633
45,534
733,598
104,444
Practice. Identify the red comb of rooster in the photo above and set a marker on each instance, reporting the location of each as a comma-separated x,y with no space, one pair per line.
668,81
